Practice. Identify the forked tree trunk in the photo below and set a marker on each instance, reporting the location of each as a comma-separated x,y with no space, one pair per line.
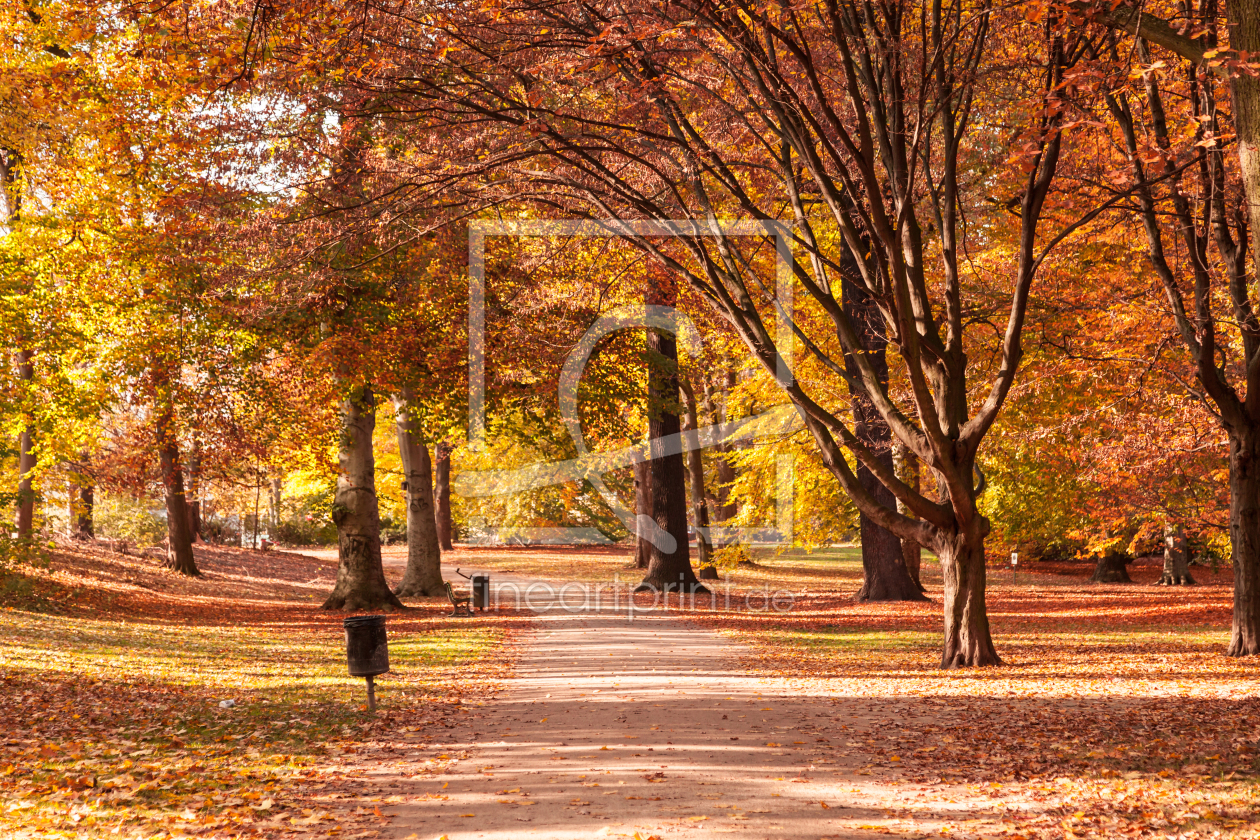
442,495
884,573
669,567
423,577
179,553
642,507
361,583
1176,558
705,569
1244,538
26,455
968,642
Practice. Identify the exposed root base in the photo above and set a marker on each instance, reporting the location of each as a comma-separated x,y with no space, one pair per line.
695,588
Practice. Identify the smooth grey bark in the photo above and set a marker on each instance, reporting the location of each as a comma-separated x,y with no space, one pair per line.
179,553
442,495
361,583
423,577
705,569
1176,558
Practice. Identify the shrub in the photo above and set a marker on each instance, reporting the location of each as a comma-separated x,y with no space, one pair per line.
134,519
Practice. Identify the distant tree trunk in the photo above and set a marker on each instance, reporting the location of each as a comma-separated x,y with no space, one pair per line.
705,569
84,529
885,576
908,470
423,576
277,489
26,455
179,553
442,495
725,509
1176,558
669,566
642,507
361,583
194,491
1111,568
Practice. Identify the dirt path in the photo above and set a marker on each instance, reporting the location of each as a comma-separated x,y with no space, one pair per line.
612,727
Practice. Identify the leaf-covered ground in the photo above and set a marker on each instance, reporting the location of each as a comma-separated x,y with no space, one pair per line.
1116,713
111,693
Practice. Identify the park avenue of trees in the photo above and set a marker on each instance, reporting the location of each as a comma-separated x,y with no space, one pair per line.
993,266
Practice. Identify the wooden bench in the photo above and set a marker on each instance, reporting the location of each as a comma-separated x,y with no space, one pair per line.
457,601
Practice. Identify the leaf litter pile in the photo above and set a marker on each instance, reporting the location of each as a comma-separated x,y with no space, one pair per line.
137,703
1117,713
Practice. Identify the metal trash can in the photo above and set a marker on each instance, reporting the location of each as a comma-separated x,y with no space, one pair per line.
367,650
481,591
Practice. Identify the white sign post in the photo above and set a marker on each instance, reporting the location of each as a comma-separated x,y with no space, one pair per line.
1014,564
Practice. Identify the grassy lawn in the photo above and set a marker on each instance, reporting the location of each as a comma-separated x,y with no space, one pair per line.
112,717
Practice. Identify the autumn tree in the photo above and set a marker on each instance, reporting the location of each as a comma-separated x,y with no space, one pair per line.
1199,218
702,112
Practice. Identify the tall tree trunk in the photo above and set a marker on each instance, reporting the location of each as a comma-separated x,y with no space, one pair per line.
642,508
424,552
1244,445
968,642
908,470
277,489
1176,558
725,508
26,454
1244,537
885,576
179,553
442,495
669,567
361,583
705,569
